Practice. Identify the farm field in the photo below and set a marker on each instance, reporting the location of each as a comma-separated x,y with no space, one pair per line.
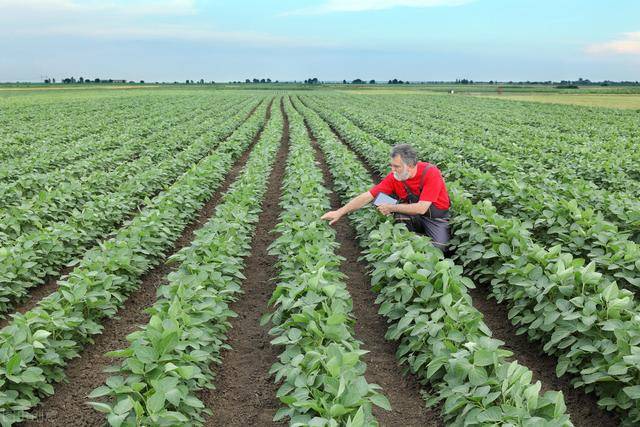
163,261
626,101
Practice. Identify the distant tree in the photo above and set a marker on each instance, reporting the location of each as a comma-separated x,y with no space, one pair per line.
268,80
277,81
372,82
47,81
344,82
263,81
201,81
357,82
80,79
53,80
256,81
142,82
96,80
247,81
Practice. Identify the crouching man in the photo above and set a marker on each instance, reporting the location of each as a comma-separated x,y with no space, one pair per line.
423,201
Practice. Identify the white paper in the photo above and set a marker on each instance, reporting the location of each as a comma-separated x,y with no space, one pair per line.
382,199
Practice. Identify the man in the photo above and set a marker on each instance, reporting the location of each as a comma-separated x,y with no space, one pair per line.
424,201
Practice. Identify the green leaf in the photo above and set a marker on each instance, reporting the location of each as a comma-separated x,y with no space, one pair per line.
123,406
381,401
155,403
633,391
99,392
100,407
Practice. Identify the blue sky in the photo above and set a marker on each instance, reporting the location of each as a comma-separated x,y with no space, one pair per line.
329,39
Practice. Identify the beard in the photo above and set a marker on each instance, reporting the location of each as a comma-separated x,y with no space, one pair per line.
401,176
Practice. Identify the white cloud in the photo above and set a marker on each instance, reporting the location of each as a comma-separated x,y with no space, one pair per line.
125,20
628,44
331,6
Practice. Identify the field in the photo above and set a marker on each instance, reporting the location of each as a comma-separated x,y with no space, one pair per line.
627,101
162,260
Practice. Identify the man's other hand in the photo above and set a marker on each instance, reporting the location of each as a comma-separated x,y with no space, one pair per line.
332,216
385,209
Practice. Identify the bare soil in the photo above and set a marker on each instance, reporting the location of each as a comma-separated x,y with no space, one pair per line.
67,406
50,284
581,407
403,391
245,394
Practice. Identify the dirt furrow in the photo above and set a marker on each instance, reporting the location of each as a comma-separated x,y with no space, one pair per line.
403,391
67,407
50,284
582,408
245,395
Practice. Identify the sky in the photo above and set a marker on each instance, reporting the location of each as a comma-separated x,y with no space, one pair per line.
417,40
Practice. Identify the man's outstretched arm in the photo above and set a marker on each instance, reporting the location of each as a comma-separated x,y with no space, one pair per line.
353,205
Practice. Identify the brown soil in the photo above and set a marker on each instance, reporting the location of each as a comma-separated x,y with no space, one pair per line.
36,294
408,407
50,284
67,407
245,394
581,407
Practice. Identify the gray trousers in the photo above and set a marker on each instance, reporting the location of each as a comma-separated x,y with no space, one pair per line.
436,228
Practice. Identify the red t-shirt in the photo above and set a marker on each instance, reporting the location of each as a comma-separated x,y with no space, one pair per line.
434,189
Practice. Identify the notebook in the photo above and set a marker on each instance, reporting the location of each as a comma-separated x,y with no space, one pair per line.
382,199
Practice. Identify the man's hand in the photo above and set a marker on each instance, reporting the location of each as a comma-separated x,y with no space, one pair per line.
332,216
386,209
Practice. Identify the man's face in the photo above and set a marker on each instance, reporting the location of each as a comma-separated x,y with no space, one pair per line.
400,170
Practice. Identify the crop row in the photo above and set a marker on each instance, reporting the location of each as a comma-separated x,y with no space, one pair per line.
29,214
41,253
554,219
593,147
442,338
29,128
119,146
531,188
591,325
36,345
320,368
169,359
51,159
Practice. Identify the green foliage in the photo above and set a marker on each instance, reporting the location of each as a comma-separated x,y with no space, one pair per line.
101,282
555,203
169,359
580,315
320,369
45,248
442,338
583,318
